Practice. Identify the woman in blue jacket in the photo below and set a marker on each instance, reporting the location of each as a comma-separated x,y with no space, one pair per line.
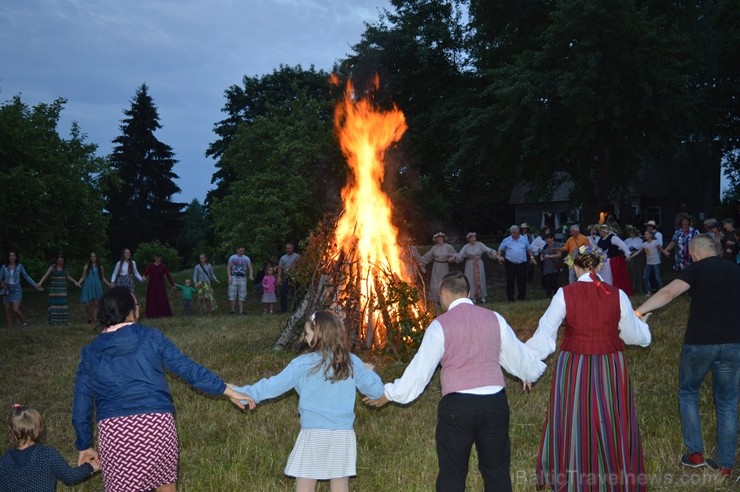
122,375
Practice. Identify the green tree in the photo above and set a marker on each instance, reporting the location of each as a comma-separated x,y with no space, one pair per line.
196,235
606,90
140,201
53,186
258,96
288,171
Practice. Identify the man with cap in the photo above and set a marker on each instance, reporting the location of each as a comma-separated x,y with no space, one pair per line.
651,226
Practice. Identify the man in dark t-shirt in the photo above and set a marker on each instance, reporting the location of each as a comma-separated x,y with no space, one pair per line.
711,343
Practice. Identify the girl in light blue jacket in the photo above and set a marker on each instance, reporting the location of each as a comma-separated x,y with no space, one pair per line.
326,379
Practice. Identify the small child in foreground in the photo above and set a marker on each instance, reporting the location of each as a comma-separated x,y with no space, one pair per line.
33,467
326,379
187,296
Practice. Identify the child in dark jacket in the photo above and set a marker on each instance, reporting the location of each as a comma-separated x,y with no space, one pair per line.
33,467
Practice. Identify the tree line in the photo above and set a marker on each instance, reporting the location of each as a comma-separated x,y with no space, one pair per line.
494,92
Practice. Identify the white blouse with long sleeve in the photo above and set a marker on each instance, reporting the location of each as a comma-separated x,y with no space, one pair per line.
632,330
514,359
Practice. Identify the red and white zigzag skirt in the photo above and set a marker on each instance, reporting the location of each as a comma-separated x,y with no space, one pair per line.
138,452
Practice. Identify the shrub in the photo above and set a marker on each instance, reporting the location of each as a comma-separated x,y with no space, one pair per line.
145,254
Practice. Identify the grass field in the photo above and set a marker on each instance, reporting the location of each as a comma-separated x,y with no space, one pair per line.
223,449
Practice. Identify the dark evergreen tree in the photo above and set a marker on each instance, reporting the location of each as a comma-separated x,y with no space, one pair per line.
140,201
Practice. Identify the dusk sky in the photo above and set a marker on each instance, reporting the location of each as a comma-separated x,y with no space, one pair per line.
96,53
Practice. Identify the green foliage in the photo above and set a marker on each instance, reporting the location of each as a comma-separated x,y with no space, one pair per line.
145,252
606,88
285,167
53,186
140,198
260,97
196,234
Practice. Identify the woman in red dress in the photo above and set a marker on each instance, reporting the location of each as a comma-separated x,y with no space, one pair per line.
157,302
590,440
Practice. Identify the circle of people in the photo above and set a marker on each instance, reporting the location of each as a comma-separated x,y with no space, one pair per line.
125,272
590,440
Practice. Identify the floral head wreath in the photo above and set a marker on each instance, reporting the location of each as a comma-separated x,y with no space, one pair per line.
586,250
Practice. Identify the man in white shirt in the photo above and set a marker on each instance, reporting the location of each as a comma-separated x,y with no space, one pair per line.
472,344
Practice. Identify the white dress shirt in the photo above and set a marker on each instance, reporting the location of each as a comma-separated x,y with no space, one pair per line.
515,358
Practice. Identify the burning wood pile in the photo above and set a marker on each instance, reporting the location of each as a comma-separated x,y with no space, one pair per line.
355,264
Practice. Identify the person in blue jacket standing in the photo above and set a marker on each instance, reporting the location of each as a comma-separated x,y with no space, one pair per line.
121,375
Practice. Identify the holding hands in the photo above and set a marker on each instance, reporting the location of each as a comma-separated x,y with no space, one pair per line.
239,399
375,403
89,456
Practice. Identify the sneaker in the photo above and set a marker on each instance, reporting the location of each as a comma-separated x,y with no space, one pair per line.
693,460
724,472
231,312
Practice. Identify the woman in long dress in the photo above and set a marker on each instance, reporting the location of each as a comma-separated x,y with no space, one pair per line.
615,268
590,440
474,268
441,254
58,299
157,301
92,280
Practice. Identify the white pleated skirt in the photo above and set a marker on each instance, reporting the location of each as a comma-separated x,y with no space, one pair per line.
323,454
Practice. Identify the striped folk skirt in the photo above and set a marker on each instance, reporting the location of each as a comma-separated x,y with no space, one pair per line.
590,440
138,452
58,313
323,454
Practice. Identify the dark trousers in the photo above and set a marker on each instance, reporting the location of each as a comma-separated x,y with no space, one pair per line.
516,272
551,284
464,420
187,306
284,292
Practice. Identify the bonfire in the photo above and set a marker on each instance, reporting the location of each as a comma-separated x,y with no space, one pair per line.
355,264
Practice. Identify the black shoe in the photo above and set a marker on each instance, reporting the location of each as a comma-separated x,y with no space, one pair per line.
231,313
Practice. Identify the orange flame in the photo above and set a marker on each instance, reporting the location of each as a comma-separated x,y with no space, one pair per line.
365,229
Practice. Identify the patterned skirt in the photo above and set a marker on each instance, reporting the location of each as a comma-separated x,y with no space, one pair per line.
205,293
138,452
58,303
126,281
591,440
323,454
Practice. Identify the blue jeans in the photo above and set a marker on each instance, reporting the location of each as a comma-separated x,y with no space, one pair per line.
723,360
654,269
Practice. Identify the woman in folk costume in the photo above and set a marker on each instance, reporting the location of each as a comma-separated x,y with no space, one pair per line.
615,268
474,268
590,440
635,264
441,254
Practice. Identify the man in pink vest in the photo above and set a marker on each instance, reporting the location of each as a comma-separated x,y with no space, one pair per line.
472,344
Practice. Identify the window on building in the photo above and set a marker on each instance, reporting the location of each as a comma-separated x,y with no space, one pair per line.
652,213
